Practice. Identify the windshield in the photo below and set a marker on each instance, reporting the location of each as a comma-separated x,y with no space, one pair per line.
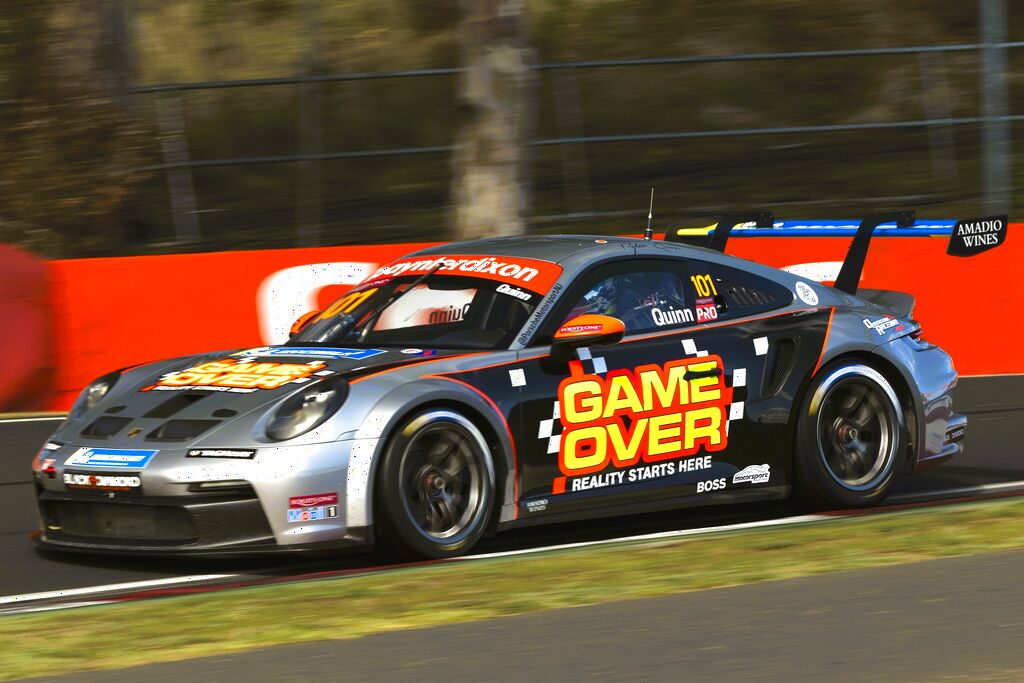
434,306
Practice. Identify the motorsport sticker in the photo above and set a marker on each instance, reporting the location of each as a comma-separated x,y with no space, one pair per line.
652,413
110,458
882,325
310,352
102,482
238,453
753,474
806,294
244,378
975,235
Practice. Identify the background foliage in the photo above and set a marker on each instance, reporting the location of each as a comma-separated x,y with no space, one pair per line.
71,144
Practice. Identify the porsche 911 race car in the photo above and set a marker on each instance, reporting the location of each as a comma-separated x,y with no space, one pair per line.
483,385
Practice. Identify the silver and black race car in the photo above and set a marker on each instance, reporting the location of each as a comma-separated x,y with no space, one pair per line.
484,385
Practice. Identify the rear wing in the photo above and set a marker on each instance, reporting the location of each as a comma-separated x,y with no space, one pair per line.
967,237
716,235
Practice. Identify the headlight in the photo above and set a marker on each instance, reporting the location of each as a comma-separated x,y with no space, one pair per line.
92,394
307,409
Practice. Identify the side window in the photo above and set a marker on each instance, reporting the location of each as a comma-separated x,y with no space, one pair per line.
722,293
647,296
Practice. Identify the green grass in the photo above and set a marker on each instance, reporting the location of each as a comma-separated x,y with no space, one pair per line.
117,636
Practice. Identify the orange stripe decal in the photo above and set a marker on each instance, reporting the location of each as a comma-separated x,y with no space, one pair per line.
416,364
824,343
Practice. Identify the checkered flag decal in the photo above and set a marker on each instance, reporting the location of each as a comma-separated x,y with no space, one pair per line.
592,365
551,429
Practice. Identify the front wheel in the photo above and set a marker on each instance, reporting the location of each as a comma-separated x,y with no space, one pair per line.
435,486
849,437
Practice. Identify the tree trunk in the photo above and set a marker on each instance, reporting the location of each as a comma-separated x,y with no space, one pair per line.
489,192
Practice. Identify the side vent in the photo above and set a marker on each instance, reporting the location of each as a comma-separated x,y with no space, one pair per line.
181,430
105,427
779,366
910,415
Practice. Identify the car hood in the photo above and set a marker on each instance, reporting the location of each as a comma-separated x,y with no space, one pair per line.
177,401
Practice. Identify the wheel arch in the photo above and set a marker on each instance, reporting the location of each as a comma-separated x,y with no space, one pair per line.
909,402
484,417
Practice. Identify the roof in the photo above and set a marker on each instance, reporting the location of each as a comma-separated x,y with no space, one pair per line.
554,248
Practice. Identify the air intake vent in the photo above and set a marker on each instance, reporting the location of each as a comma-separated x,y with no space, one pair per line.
745,297
779,366
174,405
181,430
105,427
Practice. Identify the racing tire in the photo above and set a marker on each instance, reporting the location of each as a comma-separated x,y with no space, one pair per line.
849,437
435,487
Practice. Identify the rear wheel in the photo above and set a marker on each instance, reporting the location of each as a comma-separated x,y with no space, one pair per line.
435,487
849,437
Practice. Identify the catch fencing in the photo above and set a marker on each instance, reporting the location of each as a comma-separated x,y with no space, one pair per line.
994,119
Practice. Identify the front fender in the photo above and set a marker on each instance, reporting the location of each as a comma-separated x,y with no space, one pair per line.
390,412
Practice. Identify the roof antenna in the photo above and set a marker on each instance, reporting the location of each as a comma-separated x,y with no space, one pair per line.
649,232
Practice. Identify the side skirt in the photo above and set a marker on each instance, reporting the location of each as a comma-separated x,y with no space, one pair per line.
689,501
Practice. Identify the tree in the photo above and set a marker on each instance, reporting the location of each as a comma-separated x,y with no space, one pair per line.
69,138
489,194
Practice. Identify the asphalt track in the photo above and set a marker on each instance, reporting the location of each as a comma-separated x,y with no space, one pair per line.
957,619
995,406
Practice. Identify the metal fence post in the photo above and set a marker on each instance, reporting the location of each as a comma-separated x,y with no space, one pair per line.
170,120
996,127
935,96
309,209
569,117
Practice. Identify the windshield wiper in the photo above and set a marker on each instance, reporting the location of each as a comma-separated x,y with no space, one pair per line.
395,296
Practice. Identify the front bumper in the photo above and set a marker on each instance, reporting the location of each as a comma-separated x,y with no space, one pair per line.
250,509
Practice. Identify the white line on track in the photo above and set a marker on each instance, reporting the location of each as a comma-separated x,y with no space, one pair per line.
978,490
31,419
660,535
133,585
28,599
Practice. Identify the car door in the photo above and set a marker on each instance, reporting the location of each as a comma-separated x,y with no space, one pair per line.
770,347
629,423
693,404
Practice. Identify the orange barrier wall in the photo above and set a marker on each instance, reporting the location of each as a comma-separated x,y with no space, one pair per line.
25,337
114,312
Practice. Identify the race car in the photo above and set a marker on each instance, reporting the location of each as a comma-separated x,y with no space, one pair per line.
484,385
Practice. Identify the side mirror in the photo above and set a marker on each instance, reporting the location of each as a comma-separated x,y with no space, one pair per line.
301,322
586,330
